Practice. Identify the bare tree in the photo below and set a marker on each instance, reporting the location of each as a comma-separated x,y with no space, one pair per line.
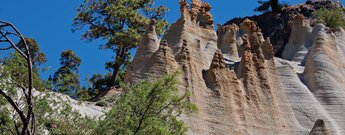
7,32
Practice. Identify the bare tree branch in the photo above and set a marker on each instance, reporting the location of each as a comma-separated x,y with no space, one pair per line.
4,25
13,45
29,118
13,104
11,33
3,49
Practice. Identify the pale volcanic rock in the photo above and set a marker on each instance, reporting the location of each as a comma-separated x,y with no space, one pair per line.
227,41
190,70
325,74
162,62
267,49
263,89
248,27
300,39
257,94
227,98
201,39
307,109
148,46
340,34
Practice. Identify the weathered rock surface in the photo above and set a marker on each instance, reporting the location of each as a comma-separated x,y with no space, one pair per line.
227,41
324,73
300,39
148,46
238,84
276,26
319,128
307,109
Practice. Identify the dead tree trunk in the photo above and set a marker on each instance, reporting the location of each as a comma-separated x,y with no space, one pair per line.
27,118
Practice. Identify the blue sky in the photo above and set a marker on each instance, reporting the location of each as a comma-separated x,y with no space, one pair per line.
49,22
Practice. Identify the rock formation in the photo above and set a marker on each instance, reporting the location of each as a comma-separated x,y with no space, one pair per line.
324,73
300,40
236,82
319,128
227,40
277,26
162,62
148,46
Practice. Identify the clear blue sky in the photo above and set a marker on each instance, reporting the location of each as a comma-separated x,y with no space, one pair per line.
49,22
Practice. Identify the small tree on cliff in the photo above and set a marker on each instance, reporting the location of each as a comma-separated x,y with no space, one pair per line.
66,78
120,23
266,6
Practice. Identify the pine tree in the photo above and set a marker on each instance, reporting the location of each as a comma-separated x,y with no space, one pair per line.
120,23
66,78
37,56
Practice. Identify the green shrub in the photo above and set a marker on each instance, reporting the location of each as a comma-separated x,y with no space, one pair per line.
147,108
333,18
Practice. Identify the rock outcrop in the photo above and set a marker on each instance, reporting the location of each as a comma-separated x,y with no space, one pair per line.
324,73
148,46
227,41
276,26
300,39
236,82
319,128
162,62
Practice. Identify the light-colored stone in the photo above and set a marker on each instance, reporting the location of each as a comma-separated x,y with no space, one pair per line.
257,94
227,41
300,39
149,44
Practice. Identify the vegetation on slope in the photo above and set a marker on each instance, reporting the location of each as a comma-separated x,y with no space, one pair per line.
333,18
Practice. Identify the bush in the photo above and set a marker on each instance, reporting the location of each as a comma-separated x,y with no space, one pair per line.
147,108
332,18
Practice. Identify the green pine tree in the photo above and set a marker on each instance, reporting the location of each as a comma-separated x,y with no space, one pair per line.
66,79
120,23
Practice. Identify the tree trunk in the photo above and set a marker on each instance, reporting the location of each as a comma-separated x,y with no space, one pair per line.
119,61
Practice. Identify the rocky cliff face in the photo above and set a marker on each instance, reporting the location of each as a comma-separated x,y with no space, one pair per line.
238,84
277,26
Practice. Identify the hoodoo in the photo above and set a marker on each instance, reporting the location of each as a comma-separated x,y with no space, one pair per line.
237,83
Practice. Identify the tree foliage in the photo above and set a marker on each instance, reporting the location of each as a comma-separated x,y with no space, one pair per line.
15,68
271,5
333,18
13,78
66,78
147,108
37,56
120,23
23,116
